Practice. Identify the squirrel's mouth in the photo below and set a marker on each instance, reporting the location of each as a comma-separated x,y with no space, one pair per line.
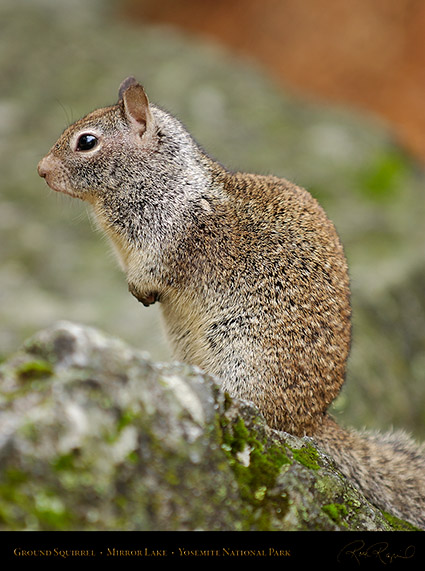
50,169
61,189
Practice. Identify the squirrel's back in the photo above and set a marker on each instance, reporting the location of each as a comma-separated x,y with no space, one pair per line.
275,323
250,274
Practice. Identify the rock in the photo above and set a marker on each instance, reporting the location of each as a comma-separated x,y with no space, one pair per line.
95,436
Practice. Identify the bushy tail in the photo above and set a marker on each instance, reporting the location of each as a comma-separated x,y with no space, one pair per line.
388,468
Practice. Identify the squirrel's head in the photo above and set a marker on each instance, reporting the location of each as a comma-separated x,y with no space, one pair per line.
99,152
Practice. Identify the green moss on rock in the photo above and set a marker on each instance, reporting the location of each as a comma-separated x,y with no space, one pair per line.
335,511
399,524
307,456
256,466
34,369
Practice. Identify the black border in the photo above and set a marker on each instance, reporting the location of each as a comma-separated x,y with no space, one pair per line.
146,550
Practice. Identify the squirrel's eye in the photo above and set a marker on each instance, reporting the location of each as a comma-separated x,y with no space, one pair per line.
86,142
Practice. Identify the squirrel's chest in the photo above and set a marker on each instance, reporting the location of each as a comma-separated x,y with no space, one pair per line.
121,246
136,263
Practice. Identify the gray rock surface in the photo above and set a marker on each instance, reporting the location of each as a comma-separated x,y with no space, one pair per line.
95,436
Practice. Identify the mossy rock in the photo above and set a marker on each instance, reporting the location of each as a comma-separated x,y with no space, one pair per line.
95,436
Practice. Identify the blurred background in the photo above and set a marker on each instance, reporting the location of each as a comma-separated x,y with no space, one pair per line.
327,93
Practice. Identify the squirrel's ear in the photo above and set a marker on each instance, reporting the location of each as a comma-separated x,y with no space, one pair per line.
125,85
136,104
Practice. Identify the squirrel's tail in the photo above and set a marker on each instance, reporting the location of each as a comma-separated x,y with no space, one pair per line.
388,468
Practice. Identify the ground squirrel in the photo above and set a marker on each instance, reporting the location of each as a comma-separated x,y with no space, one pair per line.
250,274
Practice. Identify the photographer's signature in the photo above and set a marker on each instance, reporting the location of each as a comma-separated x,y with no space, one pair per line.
359,551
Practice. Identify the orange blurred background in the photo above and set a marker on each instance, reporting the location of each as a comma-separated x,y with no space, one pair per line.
366,53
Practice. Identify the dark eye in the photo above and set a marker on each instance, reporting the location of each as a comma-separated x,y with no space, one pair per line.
86,142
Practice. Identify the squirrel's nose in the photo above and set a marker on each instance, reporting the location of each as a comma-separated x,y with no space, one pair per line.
43,168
